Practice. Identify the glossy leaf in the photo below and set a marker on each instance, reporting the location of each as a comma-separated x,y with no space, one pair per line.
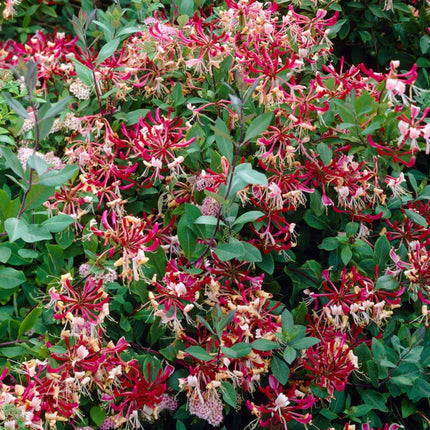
16,228
258,126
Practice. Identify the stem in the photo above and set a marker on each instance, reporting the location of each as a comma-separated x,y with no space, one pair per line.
216,90
93,71
387,379
36,146
358,130
303,274
13,342
227,193
143,348
402,357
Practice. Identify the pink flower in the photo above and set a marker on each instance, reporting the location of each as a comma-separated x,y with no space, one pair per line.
87,301
285,405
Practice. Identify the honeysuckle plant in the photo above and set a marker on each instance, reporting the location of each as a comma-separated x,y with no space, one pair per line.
206,220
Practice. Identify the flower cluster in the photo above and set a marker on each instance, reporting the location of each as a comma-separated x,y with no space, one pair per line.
209,172
51,390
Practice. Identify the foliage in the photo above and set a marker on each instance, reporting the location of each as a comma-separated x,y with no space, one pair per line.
205,221
375,32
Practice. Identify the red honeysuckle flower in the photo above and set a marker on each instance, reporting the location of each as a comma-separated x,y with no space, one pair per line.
88,302
285,405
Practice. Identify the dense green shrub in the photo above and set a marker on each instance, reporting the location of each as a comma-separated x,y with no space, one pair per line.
209,219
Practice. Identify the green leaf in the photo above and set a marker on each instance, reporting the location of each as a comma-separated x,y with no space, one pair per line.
11,278
58,223
345,110
289,354
98,415
250,216
372,397
48,11
27,253
45,127
37,195
199,353
177,96
132,117
318,222
419,391
187,238
183,21
386,282
15,228
321,392
346,254
7,139
222,321
381,252
334,29
423,62
316,203
329,244
359,411
57,108
425,194
287,321
228,251
186,7
30,320
12,161
402,380
378,350
228,352
304,342
36,233
326,413
205,323
5,253
128,30
241,349
408,408
107,51
124,323
84,73
325,153
179,424
156,263
223,139
337,403
264,345
236,102
280,370
376,10
416,218
12,352
363,248
66,237
38,164
351,228
16,106
208,220
267,264
425,43
258,125
247,174
250,253
55,178
229,393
